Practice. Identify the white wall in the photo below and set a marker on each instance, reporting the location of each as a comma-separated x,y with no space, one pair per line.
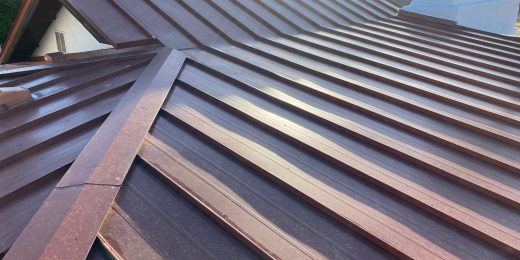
498,16
77,38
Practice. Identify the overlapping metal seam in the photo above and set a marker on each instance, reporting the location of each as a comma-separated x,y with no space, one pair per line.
445,209
78,188
307,53
264,53
53,129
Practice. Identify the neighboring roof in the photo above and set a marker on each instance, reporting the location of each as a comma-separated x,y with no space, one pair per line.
295,129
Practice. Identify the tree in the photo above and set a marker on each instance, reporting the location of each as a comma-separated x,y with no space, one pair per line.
8,12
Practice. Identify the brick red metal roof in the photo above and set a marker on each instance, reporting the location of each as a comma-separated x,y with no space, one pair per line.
304,129
40,139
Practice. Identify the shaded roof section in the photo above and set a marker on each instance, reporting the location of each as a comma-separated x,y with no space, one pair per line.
310,129
40,139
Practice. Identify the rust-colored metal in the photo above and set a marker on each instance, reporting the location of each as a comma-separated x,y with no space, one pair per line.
87,190
319,129
39,139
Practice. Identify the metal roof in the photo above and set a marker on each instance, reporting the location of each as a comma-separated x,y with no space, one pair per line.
288,129
41,138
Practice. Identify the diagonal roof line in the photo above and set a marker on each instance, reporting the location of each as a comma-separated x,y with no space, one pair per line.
68,221
74,60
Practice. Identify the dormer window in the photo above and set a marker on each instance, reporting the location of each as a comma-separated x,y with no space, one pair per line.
60,42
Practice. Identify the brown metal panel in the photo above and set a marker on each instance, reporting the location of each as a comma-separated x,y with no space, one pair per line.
241,221
144,14
17,209
16,146
57,154
64,226
182,16
452,32
346,212
55,140
169,223
452,212
285,213
209,13
298,129
122,239
41,138
52,100
303,161
449,167
112,24
432,49
429,39
428,72
124,130
426,105
80,60
490,150
368,28
292,52
72,226
242,18
410,55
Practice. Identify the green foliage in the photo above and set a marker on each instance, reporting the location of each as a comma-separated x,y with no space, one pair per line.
8,12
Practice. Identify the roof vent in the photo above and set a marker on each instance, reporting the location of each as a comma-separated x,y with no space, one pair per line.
13,95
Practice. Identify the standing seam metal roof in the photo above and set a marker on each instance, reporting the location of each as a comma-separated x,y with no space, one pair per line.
316,129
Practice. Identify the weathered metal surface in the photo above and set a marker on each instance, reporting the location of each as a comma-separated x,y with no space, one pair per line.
402,132
108,156
41,138
319,129
126,241
67,223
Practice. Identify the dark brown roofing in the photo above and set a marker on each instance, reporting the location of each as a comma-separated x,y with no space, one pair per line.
84,194
304,129
40,139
